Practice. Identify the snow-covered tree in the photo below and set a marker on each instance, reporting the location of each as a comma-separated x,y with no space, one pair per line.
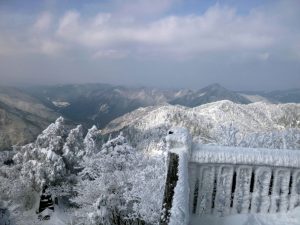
91,145
227,134
41,162
52,137
283,139
118,183
73,149
147,188
104,180
51,160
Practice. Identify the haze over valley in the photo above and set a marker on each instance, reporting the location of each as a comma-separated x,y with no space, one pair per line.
27,111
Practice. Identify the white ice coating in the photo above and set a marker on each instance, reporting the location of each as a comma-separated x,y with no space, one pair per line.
280,191
228,180
223,195
246,156
295,198
242,194
260,199
179,137
179,141
206,185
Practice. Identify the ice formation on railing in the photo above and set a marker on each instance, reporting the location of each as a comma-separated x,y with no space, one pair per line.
179,142
244,156
227,180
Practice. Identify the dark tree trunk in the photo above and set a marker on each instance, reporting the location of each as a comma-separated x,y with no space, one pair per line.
45,201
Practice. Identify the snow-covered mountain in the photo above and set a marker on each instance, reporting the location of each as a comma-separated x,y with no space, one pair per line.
224,122
98,104
211,93
25,113
101,103
292,95
114,178
279,96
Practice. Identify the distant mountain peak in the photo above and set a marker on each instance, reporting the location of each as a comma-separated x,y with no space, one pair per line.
211,93
215,85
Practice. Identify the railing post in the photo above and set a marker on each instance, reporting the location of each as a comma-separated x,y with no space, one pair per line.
175,209
171,182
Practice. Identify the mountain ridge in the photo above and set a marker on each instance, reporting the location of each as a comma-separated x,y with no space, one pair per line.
212,123
33,108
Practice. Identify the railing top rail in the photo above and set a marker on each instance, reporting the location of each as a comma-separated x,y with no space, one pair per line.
248,156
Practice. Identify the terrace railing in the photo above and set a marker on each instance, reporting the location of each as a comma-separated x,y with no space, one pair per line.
227,180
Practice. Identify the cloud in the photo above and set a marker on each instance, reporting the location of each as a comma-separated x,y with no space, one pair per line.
43,22
264,56
138,8
219,29
109,54
49,47
69,25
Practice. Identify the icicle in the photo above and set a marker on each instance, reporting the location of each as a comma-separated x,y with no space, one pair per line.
260,199
280,192
242,196
206,187
223,195
295,192
194,185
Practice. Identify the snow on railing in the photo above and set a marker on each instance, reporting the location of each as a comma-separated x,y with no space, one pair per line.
246,156
176,197
227,180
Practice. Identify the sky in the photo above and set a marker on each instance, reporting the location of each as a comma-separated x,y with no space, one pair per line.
241,44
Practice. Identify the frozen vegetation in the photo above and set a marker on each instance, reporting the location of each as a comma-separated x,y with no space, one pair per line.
258,200
117,174
256,125
179,142
94,183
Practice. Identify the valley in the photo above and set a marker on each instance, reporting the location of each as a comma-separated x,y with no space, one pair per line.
26,111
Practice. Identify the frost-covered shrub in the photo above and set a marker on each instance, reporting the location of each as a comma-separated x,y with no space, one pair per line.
119,183
104,179
52,137
42,162
230,135
91,142
115,183
284,139
54,155
73,149
147,188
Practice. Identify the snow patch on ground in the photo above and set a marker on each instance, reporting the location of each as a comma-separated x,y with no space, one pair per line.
61,104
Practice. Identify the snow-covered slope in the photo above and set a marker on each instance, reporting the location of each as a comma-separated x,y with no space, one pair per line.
257,98
224,122
211,93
